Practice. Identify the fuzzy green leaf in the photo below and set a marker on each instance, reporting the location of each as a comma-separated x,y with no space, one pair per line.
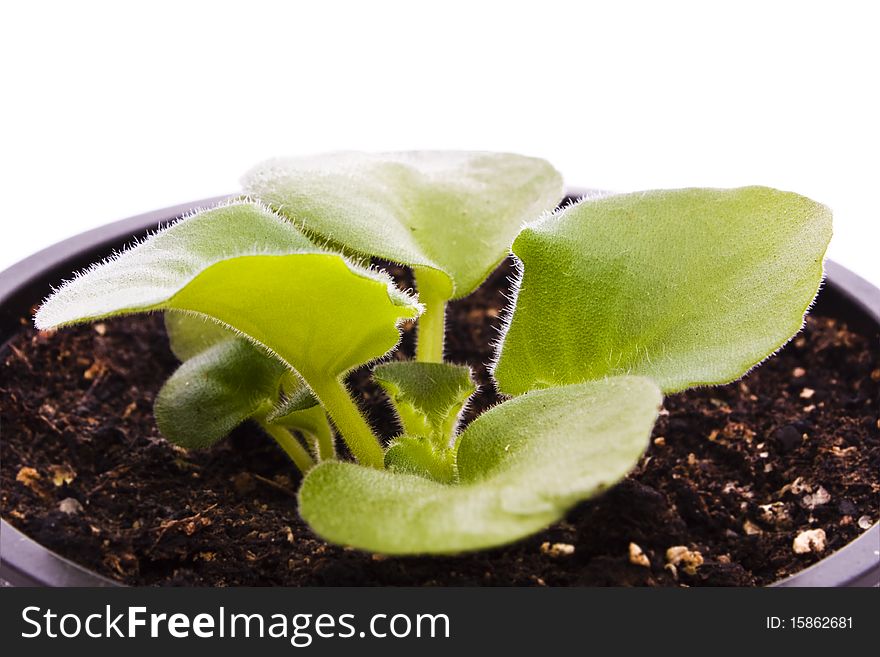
316,311
521,466
455,213
418,455
689,287
253,272
298,399
428,396
145,276
320,314
215,391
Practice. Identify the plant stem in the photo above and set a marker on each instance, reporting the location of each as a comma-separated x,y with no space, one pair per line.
432,326
324,437
294,449
315,427
347,417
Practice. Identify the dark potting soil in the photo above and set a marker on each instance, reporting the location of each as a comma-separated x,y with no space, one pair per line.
733,476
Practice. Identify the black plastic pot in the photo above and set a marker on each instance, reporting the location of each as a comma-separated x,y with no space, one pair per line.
24,562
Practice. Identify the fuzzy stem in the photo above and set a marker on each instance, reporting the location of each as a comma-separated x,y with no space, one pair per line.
347,417
432,326
324,437
315,427
294,449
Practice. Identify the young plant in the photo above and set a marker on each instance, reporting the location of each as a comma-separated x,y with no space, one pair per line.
619,300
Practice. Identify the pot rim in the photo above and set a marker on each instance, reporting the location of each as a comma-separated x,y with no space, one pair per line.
24,562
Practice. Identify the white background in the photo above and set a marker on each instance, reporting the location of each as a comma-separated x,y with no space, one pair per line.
113,109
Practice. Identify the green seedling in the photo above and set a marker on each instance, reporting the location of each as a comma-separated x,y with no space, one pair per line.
429,398
269,306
